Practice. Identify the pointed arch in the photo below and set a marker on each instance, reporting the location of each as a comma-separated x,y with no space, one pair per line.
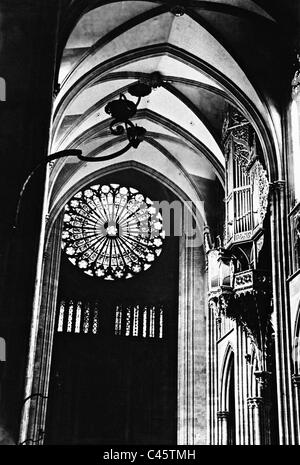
226,374
296,344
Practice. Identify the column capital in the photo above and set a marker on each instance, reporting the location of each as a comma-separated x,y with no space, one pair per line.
296,79
277,185
222,414
296,380
263,377
255,402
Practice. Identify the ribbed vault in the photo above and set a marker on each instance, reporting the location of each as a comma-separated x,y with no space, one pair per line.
207,55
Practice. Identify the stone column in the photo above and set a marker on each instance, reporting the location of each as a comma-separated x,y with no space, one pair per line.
192,416
223,428
36,403
28,33
296,383
263,377
255,405
212,375
267,423
219,326
240,387
281,315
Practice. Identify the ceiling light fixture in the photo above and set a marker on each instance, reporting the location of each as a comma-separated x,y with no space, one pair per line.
122,111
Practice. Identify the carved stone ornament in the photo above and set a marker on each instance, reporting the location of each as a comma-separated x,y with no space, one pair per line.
214,307
224,300
260,189
236,136
297,226
259,244
250,305
243,236
241,148
296,231
296,80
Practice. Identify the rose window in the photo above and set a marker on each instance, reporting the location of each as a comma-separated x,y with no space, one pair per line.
111,231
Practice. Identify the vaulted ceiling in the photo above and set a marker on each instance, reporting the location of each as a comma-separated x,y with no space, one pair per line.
209,54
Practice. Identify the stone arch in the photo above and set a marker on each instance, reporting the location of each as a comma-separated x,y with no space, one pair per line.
57,205
296,344
226,373
226,413
191,314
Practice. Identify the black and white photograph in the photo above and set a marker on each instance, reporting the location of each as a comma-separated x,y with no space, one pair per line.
149,227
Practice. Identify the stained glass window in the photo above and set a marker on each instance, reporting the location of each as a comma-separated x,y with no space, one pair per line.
61,316
161,321
136,321
111,231
128,321
70,316
152,322
95,319
86,318
79,317
118,323
143,322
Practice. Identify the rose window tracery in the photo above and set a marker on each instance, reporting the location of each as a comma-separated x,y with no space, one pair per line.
112,231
